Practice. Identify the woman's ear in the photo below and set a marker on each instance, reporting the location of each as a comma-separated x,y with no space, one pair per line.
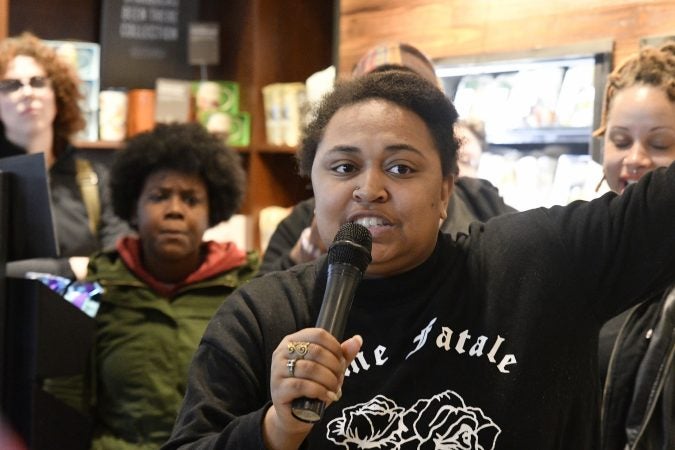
447,188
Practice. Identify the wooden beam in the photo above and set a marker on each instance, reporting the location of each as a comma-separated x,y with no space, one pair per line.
454,28
4,18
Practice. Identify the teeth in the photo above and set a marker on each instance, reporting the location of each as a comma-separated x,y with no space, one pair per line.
631,181
369,221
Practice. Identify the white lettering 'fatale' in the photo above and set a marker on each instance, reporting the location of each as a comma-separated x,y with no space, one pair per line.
444,341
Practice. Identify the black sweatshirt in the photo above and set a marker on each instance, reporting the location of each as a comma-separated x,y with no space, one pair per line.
489,344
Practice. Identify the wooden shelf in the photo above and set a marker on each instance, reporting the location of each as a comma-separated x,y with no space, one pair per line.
278,149
98,145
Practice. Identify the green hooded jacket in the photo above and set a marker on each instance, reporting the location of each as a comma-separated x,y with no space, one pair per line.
144,346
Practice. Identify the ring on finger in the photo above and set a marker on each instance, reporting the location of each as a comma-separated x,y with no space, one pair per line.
290,365
300,348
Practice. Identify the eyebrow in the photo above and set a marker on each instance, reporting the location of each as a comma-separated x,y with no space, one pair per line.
390,148
663,127
164,189
657,128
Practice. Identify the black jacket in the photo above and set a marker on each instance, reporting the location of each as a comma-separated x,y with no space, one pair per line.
70,217
638,409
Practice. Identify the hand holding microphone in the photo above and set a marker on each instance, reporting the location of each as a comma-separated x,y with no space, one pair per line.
348,258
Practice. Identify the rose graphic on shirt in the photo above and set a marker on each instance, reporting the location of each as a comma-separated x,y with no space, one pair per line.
368,425
443,422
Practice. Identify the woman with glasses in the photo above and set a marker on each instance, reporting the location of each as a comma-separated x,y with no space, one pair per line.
39,113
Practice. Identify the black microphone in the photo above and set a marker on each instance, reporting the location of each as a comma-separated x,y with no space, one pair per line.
348,257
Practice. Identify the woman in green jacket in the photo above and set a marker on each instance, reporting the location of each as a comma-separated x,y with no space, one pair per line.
162,286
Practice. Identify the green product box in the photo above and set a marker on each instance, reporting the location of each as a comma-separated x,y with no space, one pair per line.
211,96
235,128
240,130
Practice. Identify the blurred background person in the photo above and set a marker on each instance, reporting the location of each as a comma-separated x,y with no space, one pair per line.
39,113
162,286
471,134
296,239
637,348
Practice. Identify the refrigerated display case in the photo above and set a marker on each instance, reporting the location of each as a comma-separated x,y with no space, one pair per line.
536,107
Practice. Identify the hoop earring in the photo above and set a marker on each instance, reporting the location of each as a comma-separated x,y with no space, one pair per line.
597,186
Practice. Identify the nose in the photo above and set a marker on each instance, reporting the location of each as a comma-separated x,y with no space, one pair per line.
637,158
174,206
370,188
26,89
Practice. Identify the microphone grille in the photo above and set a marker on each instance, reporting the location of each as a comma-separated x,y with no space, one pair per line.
352,245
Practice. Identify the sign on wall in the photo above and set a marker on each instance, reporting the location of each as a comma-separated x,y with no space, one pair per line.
142,40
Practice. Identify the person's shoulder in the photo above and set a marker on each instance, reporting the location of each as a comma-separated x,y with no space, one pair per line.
250,266
299,278
252,258
482,196
101,169
304,208
270,296
302,271
475,185
73,163
103,263
65,164
109,255
307,204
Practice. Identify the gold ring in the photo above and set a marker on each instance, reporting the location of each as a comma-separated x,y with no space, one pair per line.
298,348
291,367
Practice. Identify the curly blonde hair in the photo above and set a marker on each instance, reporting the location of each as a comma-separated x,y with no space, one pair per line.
65,82
651,66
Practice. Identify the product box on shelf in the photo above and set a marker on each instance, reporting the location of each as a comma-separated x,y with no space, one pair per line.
235,129
173,101
272,103
285,107
85,57
215,96
240,130
294,101
113,114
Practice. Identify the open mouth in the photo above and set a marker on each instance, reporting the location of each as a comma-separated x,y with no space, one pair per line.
371,222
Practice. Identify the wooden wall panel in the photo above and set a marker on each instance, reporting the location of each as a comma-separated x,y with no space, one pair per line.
4,18
62,19
456,28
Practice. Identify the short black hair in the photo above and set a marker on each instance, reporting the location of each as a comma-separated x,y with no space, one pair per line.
186,148
403,88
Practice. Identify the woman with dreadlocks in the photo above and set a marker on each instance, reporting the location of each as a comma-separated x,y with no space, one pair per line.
637,347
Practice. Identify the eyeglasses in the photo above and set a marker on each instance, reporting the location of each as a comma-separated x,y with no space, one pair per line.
12,84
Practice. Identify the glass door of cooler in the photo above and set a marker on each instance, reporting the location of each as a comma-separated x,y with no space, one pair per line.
539,110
